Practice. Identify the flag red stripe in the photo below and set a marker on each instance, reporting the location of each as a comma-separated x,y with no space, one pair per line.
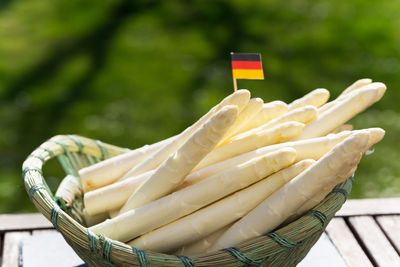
253,65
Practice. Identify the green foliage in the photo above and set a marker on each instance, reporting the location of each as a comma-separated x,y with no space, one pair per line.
134,72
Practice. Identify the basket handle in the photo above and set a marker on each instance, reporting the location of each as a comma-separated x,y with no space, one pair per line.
60,146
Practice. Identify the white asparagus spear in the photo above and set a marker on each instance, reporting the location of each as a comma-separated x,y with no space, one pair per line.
356,85
268,112
285,201
240,98
375,135
303,115
343,111
150,216
328,106
251,109
113,196
343,127
217,215
278,134
93,219
174,170
69,189
323,144
316,98
353,87
317,198
113,213
313,148
110,170
321,194
201,245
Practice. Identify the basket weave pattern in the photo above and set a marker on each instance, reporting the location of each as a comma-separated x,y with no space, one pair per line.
286,246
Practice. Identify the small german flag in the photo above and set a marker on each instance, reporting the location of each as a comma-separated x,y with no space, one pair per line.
247,66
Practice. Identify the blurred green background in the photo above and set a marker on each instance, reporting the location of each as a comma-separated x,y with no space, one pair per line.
135,72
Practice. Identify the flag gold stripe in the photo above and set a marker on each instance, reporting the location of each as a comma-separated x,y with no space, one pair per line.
248,74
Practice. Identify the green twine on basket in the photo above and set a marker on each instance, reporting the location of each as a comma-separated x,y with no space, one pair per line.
107,247
34,189
66,164
68,155
55,211
352,180
92,238
319,215
141,256
241,257
187,262
104,152
37,157
61,203
77,142
341,191
283,241
80,150
51,153
28,169
91,159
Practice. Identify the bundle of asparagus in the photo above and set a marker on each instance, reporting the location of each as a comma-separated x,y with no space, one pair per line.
240,171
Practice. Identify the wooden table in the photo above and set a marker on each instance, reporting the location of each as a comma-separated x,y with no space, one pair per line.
363,233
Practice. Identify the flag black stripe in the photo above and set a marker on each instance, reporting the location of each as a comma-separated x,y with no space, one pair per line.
246,56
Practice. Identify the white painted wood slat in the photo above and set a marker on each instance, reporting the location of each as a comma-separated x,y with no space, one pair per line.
11,249
347,244
375,241
391,227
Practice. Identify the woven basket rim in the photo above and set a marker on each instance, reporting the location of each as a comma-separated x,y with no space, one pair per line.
311,223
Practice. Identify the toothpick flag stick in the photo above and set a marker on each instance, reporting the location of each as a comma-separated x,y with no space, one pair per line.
246,66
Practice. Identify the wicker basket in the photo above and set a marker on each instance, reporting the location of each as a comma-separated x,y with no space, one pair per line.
286,246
